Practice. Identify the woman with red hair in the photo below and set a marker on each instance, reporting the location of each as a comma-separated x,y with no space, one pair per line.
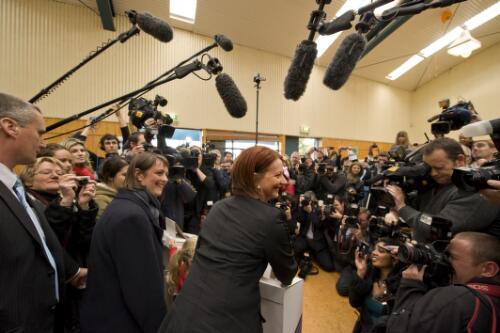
241,235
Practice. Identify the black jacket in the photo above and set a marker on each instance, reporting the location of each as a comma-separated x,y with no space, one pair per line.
446,309
466,211
221,293
27,290
125,285
176,194
72,225
326,185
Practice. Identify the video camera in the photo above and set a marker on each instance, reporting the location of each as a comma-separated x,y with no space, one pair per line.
451,118
141,109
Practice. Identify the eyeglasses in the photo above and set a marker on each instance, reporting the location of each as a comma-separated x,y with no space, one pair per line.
50,172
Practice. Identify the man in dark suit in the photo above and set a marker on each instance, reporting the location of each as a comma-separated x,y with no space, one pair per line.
33,265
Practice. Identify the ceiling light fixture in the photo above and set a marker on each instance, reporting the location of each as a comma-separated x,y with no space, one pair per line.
409,64
464,45
183,10
441,42
483,17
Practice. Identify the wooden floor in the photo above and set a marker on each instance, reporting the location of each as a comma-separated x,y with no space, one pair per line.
324,310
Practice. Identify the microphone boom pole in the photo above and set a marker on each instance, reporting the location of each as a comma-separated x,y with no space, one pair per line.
182,73
123,37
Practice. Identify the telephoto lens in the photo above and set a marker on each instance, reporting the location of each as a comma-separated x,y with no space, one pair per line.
417,254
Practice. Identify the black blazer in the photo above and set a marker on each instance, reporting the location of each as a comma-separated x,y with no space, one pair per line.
27,290
125,286
221,293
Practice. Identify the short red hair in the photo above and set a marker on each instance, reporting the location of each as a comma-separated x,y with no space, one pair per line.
252,160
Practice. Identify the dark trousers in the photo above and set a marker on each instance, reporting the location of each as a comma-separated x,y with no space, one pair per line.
323,256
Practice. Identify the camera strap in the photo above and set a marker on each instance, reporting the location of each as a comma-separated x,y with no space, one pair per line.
486,290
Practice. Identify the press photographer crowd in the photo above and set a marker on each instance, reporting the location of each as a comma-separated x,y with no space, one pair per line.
413,232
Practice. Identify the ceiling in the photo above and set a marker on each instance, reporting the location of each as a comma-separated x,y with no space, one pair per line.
277,26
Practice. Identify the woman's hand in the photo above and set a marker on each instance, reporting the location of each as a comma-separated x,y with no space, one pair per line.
86,194
67,189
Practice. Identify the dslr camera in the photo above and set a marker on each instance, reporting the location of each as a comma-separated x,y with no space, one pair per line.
473,180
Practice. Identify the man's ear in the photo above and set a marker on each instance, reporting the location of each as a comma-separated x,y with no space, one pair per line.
490,269
9,126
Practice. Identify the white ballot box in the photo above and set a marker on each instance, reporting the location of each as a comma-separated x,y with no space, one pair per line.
281,306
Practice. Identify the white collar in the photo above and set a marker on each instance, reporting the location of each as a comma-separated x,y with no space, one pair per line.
7,176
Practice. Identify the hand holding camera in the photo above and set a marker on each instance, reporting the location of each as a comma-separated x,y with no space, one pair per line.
492,195
413,272
361,262
137,150
67,187
398,195
86,193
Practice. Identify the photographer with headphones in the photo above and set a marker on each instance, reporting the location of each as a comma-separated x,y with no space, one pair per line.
470,304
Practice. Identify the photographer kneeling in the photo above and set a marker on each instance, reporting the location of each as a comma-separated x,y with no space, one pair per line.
472,304
311,237
375,284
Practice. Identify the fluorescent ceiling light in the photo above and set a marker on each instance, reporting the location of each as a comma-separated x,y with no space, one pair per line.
441,42
460,47
183,10
464,45
409,64
483,17
324,42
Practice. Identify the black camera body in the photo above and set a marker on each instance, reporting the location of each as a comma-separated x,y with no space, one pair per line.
328,209
473,180
82,180
364,249
322,168
439,270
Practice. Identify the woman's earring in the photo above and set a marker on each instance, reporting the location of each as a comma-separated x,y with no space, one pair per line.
258,187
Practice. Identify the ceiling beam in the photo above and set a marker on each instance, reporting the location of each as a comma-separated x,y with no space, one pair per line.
107,12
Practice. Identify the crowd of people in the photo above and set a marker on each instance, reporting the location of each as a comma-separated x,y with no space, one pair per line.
83,246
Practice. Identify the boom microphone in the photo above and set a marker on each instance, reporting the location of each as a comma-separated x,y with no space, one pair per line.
231,96
224,42
151,25
344,61
300,69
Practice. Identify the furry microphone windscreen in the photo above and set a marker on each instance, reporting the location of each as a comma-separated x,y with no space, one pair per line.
344,61
231,96
155,27
225,43
300,69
